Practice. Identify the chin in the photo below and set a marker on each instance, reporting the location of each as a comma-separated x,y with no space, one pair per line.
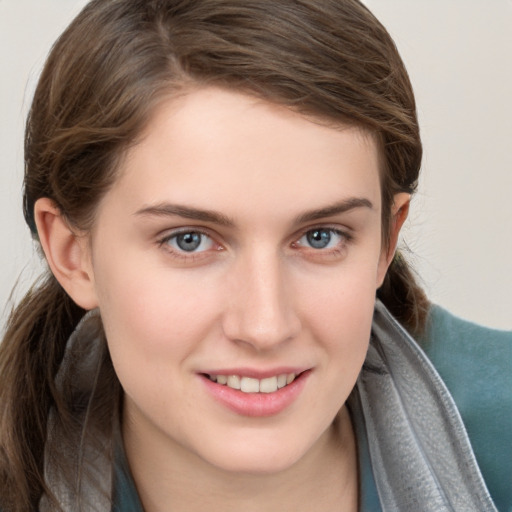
263,456
258,464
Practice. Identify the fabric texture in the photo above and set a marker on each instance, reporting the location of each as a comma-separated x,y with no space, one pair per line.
88,450
414,452
420,453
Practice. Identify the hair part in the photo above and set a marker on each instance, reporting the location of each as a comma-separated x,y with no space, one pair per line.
329,59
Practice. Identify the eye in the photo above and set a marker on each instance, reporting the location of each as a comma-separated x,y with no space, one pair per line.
189,241
322,238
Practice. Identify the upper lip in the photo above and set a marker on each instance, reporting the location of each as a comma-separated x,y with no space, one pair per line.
257,373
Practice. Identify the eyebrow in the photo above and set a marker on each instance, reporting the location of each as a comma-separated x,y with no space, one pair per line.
188,212
334,209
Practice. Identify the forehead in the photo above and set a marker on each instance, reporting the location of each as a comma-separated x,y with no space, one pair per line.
225,150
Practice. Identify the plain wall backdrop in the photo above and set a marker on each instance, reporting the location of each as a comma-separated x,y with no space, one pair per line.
459,56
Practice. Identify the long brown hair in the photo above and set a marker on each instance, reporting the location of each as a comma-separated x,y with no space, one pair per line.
107,72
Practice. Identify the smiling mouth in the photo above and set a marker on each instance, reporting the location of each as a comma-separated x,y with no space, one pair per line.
251,385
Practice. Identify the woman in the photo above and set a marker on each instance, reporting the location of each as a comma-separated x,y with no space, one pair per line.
218,189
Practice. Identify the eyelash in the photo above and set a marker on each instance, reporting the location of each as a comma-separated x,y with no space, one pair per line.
163,242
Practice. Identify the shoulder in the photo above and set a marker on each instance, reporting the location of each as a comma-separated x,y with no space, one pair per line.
475,363
470,358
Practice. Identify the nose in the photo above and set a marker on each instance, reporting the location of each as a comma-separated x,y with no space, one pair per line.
261,310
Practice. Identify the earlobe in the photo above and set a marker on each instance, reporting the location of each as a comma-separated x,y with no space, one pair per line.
399,213
67,253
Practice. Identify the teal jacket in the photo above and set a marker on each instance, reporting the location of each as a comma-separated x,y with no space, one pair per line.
476,366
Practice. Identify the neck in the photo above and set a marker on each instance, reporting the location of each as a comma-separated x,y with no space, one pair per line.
324,479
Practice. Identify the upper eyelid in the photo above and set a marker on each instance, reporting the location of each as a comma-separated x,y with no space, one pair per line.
326,224
172,232
342,230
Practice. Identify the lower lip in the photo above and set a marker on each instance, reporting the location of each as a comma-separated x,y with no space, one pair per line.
256,404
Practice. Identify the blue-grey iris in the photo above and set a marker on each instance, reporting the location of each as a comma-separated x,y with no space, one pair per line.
319,238
188,241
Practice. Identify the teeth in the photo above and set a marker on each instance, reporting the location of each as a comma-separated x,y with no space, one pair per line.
268,385
222,379
233,381
250,385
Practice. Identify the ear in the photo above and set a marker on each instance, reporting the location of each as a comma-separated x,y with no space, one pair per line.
67,253
399,213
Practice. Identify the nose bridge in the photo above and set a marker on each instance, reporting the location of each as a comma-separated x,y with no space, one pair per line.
262,312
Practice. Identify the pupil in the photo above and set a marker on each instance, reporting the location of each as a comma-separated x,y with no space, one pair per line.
319,238
188,241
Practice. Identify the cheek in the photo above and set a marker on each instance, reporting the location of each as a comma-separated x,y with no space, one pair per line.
153,324
138,293
339,312
151,315
343,297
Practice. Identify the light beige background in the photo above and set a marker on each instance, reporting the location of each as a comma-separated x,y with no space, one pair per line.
459,55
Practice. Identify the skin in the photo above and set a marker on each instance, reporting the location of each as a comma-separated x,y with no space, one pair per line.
255,294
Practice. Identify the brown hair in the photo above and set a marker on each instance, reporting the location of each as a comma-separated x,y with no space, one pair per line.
327,58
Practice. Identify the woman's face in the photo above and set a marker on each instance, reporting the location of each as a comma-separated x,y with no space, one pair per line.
240,244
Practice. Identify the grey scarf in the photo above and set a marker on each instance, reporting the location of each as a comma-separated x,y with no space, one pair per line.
420,453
